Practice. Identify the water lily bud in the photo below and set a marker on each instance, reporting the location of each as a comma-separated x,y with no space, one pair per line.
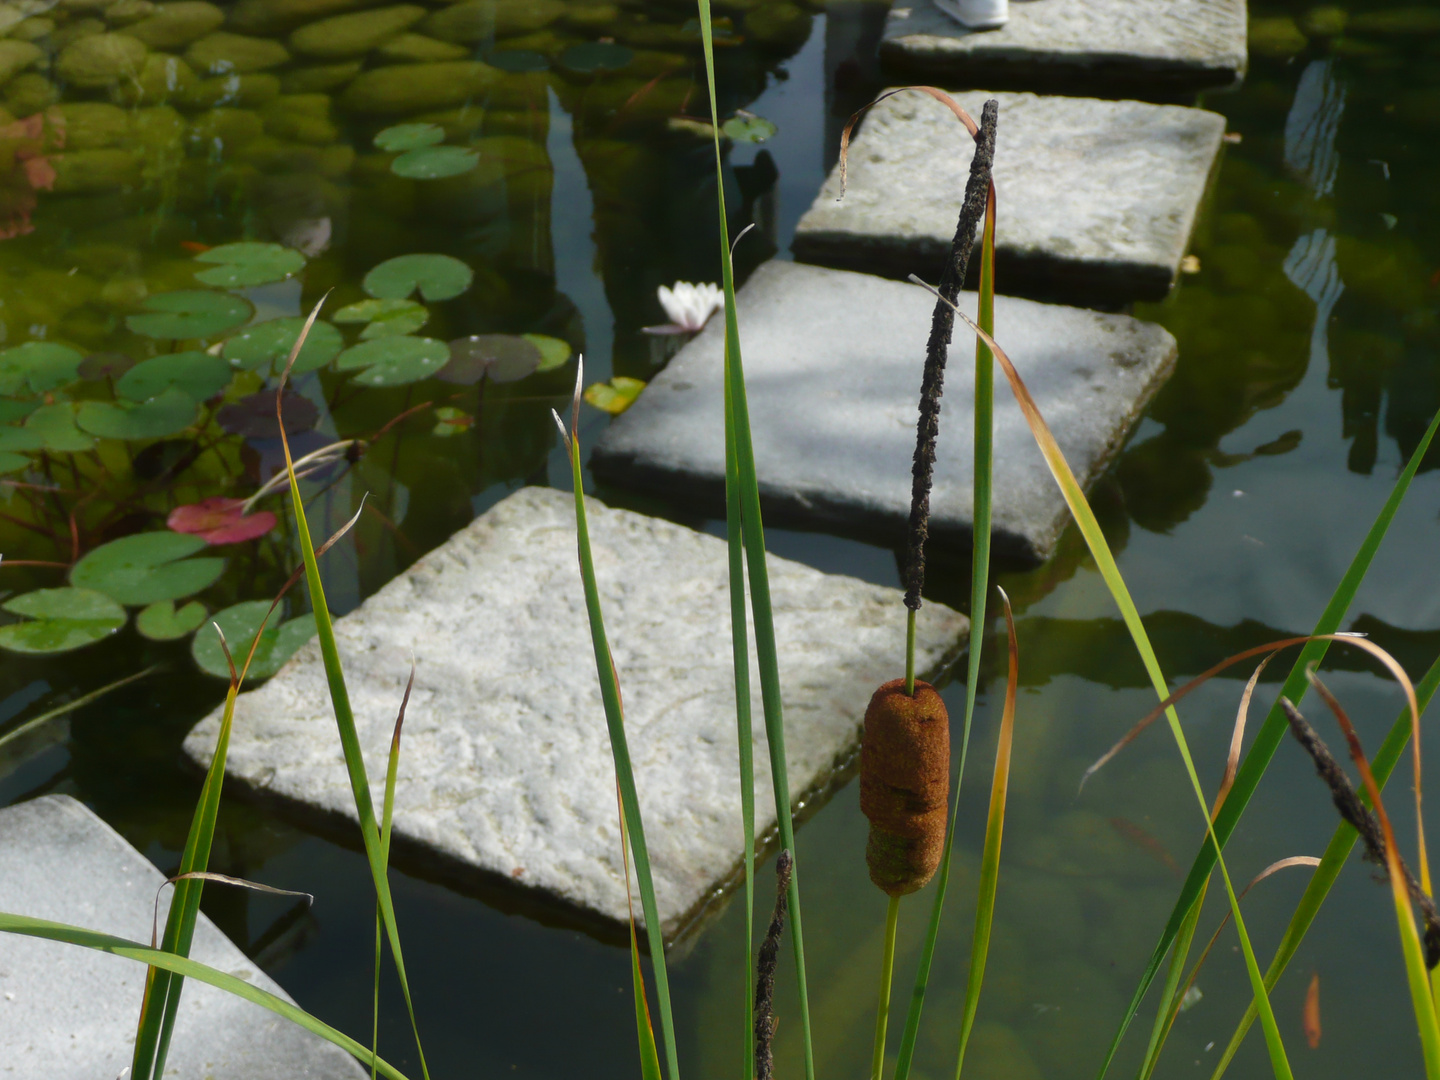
905,785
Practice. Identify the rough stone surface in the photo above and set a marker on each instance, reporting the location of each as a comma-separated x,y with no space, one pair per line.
1156,50
68,1013
833,363
505,772
1097,199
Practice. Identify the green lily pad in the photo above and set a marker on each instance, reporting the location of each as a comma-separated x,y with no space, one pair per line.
247,263
517,60
387,318
147,567
500,358
196,373
55,424
190,313
161,621
19,440
615,396
60,620
39,365
165,414
452,421
10,463
592,56
434,162
277,643
401,137
553,351
746,127
15,411
270,342
438,277
394,361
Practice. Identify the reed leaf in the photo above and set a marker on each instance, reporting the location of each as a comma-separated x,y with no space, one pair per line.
1110,572
184,967
752,535
387,815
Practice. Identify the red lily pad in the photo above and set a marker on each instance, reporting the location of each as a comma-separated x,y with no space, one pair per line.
254,416
220,521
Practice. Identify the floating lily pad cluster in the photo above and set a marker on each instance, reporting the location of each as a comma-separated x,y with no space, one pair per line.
420,155
211,379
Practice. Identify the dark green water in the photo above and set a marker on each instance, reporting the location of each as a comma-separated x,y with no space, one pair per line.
1307,372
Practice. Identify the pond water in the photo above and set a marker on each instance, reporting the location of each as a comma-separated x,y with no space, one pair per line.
1307,373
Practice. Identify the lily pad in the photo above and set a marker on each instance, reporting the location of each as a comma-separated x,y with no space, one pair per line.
746,127
20,439
277,643
141,569
13,411
104,365
198,374
401,137
60,620
10,463
41,366
615,396
438,277
55,424
452,421
269,344
247,263
394,361
498,357
219,520
553,351
592,56
434,162
165,414
190,313
161,621
386,318
253,416
517,60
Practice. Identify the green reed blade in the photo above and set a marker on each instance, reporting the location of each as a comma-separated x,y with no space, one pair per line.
1337,852
1268,738
345,717
387,814
979,590
644,1029
737,422
184,967
620,750
740,649
887,970
1165,1014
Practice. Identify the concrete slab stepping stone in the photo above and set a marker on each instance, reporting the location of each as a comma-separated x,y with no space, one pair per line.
68,1013
505,772
833,361
1097,199
1156,50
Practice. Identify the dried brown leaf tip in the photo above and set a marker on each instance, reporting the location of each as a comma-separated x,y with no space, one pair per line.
905,785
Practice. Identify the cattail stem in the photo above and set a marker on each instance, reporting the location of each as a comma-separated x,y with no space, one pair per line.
887,969
910,653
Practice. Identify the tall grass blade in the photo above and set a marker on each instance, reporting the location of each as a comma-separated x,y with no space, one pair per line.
1110,572
184,967
619,745
994,829
340,703
387,816
644,1030
752,531
1337,853
1267,739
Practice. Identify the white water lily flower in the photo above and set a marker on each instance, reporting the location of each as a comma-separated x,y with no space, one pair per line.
689,307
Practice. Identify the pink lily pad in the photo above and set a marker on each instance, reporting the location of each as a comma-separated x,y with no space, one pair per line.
220,521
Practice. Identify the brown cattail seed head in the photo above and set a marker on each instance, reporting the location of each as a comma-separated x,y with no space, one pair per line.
905,785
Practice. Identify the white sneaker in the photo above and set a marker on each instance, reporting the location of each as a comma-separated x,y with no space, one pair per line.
977,14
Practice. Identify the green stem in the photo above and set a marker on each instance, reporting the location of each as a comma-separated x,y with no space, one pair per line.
910,652
887,969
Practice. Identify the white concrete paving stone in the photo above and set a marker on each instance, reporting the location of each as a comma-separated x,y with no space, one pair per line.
833,362
1155,49
505,771
1096,199
68,1013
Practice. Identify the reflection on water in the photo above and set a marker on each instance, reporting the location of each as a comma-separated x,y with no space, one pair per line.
1307,372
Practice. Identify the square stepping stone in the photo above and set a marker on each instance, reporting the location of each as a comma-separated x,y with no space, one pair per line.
833,362
1159,50
506,775
1096,199
68,1013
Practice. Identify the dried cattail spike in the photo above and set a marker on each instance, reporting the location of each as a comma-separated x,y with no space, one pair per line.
905,785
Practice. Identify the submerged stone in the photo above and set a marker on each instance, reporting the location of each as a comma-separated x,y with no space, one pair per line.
1157,50
15,57
248,91
833,361
68,1013
125,12
177,24
223,53
355,34
91,172
418,48
100,60
161,78
319,77
472,21
30,92
90,126
417,87
1097,199
301,118
506,772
